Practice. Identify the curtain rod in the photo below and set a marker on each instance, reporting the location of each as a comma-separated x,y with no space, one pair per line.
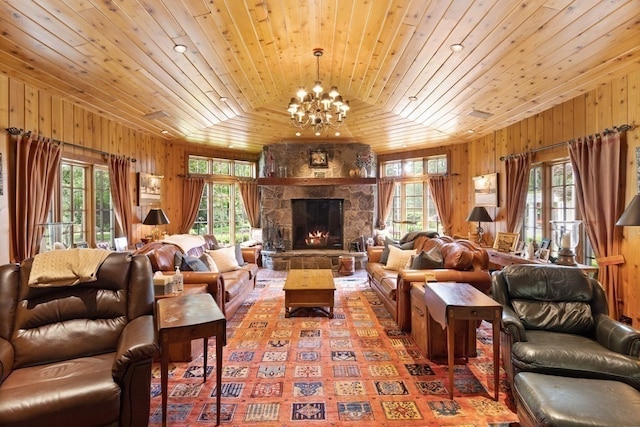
16,131
621,128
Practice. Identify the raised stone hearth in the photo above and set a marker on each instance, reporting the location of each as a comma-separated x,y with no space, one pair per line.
309,258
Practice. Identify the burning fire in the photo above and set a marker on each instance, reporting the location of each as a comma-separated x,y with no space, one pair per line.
317,238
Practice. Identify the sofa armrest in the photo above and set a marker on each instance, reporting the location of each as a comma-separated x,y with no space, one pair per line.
512,325
374,253
6,359
617,336
137,342
252,254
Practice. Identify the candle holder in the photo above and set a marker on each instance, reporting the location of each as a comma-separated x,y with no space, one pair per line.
567,237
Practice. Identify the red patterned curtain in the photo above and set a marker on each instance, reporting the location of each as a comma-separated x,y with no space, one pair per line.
192,187
36,169
120,181
598,197
518,168
440,187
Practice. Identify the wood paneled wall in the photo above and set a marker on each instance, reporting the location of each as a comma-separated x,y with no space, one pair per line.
614,103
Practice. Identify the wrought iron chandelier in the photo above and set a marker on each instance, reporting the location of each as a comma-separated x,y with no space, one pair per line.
318,110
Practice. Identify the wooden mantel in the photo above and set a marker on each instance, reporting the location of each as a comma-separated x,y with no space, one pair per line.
317,181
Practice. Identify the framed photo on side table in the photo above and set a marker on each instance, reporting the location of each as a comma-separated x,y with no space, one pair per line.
506,242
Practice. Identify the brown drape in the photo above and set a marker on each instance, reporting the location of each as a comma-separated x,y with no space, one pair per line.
596,162
385,197
120,181
36,169
251,201
440,187
518,168
192,187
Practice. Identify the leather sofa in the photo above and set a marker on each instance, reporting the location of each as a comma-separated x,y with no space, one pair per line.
463,262
229,289
555,321
78,354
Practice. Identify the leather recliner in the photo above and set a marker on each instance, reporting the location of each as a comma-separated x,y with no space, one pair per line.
81,354
556,321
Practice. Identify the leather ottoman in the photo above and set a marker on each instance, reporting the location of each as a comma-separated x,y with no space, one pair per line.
549,400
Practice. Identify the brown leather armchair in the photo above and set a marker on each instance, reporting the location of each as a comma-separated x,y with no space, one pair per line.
77,354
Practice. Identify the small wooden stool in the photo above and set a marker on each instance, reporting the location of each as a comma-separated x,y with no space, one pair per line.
346,265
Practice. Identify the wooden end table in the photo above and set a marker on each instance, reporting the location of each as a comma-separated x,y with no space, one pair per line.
448,302
184,318
309,288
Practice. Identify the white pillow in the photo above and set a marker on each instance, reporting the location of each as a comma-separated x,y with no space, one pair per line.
225,258
398,258
209,262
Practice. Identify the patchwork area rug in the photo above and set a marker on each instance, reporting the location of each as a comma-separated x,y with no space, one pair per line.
356,368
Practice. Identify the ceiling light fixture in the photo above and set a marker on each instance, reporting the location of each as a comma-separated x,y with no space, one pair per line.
456,47
180,48
224,99
164,131
413,98
318,110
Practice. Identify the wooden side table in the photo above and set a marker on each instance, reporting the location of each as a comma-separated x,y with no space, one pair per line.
448,302
184,318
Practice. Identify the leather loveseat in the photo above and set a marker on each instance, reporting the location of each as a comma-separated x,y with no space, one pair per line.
555,321
462,261
229,289
81,354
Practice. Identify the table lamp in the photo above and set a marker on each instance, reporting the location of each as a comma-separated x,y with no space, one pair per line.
631,215
480,214
156,216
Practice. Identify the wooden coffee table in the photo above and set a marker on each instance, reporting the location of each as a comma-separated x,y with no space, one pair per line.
309,288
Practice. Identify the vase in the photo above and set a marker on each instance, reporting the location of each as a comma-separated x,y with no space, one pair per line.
363,172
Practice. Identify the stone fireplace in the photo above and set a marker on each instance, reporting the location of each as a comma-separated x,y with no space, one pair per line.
316,186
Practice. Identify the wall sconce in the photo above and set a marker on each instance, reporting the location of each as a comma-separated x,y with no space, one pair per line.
480,214
156,216
631,215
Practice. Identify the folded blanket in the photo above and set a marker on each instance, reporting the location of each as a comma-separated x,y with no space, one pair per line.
66,267
186,242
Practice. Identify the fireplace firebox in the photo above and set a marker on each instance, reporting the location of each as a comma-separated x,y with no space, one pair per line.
317,223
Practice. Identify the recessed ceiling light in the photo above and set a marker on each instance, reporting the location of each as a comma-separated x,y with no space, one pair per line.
224,99
180,48
337,134
456,47
164,131
413,98
470,131
317,133
298,134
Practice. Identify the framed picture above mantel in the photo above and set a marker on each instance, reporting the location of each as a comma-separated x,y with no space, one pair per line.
318,159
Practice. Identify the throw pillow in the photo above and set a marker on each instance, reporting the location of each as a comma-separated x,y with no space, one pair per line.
225,258
209,262
390,242
188,263
239,256
398,258
428,260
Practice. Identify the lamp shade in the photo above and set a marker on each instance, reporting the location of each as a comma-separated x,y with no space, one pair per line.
479,214
156,216
631,215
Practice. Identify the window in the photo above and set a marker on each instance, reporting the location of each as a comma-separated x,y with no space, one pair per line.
221,211
83,188
551,197
412,207
105,219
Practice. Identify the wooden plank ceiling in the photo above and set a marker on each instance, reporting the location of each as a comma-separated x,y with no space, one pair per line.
519,58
